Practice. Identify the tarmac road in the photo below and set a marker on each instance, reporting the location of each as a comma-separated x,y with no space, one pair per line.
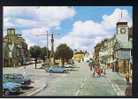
79,82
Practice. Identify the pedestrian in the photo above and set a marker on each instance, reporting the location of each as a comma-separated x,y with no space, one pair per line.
94,70
98,71
93,64
127,77
90,65
128,91
104,70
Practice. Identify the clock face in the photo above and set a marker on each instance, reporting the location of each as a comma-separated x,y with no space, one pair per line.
122,30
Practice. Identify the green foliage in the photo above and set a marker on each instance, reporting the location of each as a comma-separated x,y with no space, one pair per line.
5,51
35,51
63,52
44,53
80,52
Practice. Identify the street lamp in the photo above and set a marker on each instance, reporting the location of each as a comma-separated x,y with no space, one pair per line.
47,34
47,49
52,46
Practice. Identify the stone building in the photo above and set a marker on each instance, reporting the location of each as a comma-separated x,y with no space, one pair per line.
123,47
106,52
110,50
15,49
78,56
115,52
103,53
96,53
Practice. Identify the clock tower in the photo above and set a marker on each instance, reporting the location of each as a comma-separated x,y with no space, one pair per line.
122,32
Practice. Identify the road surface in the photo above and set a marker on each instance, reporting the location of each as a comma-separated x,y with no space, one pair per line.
79,82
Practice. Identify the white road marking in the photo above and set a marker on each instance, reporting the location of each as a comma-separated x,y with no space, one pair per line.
116,88
85,79
119,90
82,85
77,93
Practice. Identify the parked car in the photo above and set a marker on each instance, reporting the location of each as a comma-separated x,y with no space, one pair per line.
56,69
17,78
26,80
10,88
69,66
71,62
87,61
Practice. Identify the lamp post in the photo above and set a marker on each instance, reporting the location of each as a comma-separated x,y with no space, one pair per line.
47,35
47,49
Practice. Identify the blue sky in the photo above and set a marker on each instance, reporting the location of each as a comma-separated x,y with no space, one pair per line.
81,27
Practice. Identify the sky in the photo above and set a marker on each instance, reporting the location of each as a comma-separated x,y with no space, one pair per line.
80,27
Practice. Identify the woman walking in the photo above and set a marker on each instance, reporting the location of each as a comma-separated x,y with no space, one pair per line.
90,65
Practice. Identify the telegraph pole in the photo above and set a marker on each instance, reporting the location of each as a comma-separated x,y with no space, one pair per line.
47,45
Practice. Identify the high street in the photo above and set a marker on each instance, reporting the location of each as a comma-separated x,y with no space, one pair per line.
38,49
77,82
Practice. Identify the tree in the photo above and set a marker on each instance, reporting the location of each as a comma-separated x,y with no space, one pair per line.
5,54
35,52
44,53
63,52
70,54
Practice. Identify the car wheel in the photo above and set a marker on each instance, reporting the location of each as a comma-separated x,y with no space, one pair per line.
6,92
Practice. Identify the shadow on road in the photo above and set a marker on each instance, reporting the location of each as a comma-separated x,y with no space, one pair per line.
26,88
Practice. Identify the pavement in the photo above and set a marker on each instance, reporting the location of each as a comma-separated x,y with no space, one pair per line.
77,82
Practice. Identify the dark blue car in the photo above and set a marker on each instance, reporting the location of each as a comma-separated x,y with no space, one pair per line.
11,87
17,78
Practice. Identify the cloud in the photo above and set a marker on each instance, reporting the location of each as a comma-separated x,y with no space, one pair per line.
109,21
26,17
7,23
36,31
34,21
86,34
29,43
